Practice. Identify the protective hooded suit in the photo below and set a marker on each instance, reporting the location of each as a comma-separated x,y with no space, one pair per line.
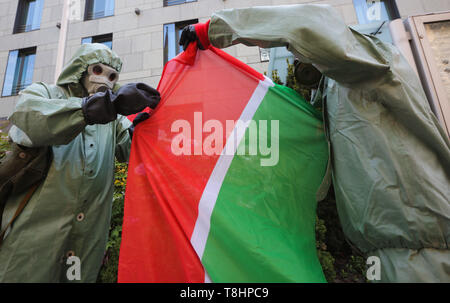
69,213
390,157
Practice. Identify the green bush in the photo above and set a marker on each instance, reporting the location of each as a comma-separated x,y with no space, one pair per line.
109,269
4,144
325,257
340,263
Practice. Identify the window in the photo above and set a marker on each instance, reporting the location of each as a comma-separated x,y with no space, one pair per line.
172,35
29,14
175,2
103,39
19,72
98,9
369,11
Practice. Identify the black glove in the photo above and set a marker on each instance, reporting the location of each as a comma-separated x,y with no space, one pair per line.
98,108
132,98
141,117
189,35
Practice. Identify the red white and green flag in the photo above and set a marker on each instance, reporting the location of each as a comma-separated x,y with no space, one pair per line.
222,179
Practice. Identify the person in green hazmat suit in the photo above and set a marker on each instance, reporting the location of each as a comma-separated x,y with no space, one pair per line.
82,118
390,157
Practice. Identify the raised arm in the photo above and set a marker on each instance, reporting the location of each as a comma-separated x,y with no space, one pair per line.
39,120
314,33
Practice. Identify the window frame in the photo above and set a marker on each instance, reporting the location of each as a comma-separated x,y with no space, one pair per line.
427,65
100,39
90,5
263,51
20,68
177,27
167,3
22,14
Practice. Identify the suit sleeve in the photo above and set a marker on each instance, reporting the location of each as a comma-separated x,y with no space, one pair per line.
314,33
39,120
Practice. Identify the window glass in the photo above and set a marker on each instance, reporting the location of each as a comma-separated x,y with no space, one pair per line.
178,31
107,43
438,34
18,73
99,8
86,40
169,42
27,73
30,14
10,72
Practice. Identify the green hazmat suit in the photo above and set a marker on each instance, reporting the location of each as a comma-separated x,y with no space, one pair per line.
390,156
69,214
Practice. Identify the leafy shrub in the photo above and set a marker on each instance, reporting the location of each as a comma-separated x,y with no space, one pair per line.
109,270
4,144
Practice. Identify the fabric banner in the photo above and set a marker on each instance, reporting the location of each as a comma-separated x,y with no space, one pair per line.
222,179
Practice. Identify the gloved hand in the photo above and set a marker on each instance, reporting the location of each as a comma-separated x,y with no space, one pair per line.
135,97
196,32
141,117
98,108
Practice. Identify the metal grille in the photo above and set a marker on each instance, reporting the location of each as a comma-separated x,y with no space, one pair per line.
16,89
23,28
175,2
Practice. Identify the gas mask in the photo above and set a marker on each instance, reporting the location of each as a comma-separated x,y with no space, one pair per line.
306,74
99,77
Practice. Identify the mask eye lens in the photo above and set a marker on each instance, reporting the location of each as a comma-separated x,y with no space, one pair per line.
97,69
112,77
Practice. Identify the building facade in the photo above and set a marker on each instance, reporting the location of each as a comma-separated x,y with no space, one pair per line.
144,33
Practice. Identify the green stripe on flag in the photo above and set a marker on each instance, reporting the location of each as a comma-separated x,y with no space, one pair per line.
263,223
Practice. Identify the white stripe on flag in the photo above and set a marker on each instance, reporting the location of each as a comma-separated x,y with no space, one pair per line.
211,192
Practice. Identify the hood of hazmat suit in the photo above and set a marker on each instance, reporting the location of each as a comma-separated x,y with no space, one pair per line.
390,156
61,234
